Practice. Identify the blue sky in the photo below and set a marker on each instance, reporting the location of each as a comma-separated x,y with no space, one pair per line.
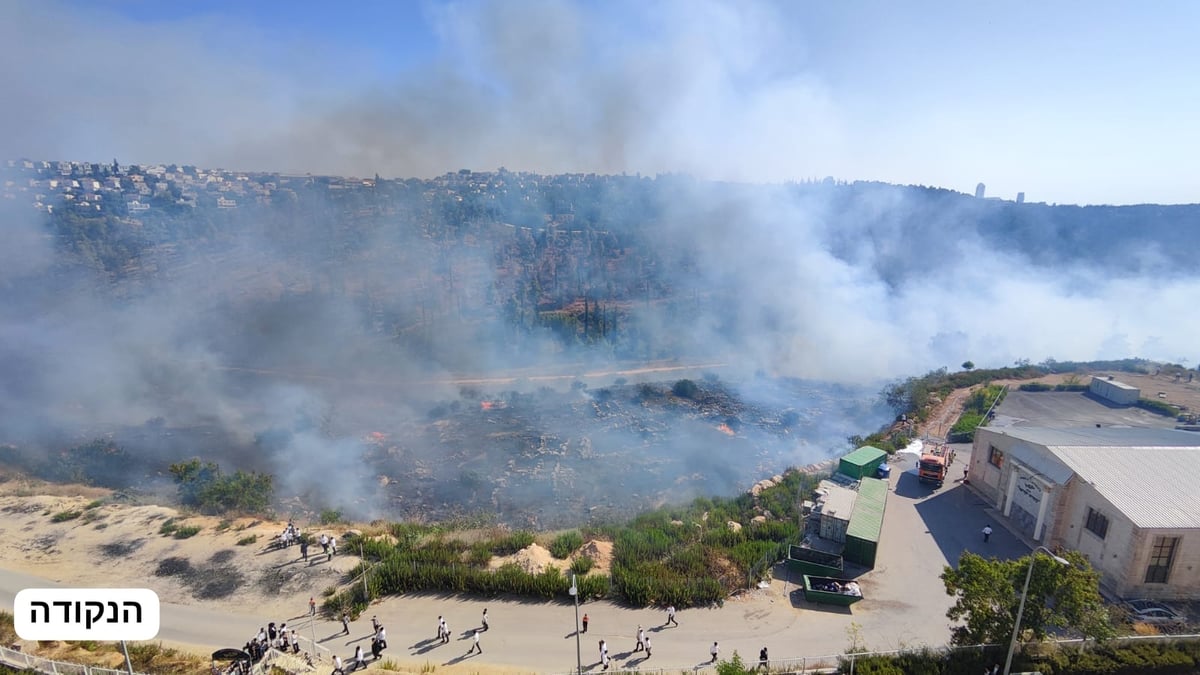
1070,102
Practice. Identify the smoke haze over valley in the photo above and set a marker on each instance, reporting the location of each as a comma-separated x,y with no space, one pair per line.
431,338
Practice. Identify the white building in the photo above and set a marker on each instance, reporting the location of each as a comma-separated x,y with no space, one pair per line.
1127,498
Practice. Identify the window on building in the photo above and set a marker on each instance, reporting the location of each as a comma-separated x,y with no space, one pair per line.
1096,523
995,456
1161,557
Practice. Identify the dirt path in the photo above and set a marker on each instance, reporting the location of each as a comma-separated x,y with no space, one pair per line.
944,415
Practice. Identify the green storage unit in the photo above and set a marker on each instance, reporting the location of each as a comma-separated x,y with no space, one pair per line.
862,463
866,523
811,561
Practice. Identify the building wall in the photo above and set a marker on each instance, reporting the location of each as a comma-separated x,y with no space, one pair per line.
1183,583
1123,555
1113,555
994,481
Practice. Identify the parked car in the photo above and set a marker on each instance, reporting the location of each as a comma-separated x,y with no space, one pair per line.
1151,612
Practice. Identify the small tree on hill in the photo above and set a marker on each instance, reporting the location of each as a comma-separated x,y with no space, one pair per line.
968,365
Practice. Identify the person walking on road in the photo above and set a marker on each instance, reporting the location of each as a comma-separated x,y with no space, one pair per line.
360,661
485,623
337,665
987,533
312,606
604,654
345,623
671,616
762,659
445,632
304,550
441,627
714,651
641,639
646,643
585,620
475,647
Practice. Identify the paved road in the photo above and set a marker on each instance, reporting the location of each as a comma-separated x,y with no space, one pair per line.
905,606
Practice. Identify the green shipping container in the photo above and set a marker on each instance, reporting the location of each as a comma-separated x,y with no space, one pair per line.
862,463
866,522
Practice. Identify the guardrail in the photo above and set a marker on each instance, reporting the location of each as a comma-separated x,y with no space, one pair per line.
16,659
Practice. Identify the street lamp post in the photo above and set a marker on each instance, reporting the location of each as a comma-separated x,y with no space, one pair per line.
578,654
128,663
1012,645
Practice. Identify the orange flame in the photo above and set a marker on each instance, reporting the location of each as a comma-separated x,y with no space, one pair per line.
486,405
724,428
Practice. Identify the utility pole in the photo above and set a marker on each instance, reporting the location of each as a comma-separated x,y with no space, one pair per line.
366,590
578,654
128,663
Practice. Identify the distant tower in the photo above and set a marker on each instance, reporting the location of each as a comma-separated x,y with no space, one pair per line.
1020,197
979,190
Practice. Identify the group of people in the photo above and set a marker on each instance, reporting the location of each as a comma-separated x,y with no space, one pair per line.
643,641
291,535
271,636
443,632
359,660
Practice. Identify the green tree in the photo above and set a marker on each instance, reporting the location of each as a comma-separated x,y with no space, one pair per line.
968,365
202,485
988,591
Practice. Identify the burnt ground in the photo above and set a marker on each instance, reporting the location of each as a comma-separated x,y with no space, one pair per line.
550,459
211,581
537,458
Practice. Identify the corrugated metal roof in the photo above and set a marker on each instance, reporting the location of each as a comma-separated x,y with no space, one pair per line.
1042,461
1118,385
1155,487
867,521
1101,436
864,455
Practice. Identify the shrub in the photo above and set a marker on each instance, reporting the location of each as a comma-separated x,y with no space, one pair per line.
330,516
246,541
565,544
168,527
480,555
686,389
512,543
582,565
206,488
187,531
1158,407
63,516
93,505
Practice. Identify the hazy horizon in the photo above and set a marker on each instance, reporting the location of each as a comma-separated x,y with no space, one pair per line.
1068,104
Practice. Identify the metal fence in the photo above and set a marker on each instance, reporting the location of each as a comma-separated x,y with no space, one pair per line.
16,659
832,662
